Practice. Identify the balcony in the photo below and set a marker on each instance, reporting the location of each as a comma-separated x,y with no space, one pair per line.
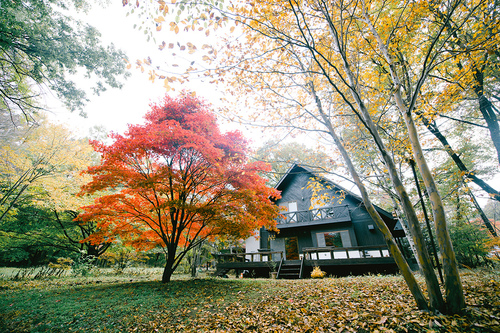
315,216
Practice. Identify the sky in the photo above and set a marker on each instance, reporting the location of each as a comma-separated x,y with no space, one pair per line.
115,108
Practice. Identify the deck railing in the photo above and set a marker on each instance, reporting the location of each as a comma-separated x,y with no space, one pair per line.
251,256
309,253
324,213
355,252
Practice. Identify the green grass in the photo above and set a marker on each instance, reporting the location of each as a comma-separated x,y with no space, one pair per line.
128,303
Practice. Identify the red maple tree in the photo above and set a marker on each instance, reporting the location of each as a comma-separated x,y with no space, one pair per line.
175,182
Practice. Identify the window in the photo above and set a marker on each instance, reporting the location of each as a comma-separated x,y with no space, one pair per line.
288,209
334,239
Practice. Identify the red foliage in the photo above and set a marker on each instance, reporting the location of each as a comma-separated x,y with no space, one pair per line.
175,181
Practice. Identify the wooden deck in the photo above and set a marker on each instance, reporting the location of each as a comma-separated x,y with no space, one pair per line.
334,261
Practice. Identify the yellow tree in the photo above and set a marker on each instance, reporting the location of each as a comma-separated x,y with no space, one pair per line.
300,46
349,44
373,61
41,160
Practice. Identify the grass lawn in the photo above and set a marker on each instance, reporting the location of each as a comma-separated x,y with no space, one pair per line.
140,303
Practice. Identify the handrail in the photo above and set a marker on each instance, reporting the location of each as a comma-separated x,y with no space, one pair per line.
301,267
362,251
279,268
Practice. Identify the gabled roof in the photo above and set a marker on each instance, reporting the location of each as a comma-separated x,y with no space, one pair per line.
299,169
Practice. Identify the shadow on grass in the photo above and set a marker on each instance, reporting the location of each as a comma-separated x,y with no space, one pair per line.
111,306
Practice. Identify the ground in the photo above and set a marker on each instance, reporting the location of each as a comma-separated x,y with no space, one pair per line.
140,303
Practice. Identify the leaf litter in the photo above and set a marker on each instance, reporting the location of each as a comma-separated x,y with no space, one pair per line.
350,304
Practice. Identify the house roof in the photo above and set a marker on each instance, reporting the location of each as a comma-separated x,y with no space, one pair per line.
296,169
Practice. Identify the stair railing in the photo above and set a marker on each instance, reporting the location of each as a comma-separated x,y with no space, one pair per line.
301,267
279,267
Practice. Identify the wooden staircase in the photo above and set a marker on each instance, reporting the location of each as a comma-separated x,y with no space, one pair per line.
289,270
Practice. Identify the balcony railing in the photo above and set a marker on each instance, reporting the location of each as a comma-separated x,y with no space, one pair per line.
317,214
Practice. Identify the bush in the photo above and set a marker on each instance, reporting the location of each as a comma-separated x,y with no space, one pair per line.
471,244
317,273
84,266
122,258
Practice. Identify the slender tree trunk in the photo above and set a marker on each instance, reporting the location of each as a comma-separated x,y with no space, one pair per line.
490,117
485,106
431,126
195,259
483,216
453,286
436,298
426,217
391,244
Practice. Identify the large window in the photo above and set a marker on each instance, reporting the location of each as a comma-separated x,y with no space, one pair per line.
334,239
288,209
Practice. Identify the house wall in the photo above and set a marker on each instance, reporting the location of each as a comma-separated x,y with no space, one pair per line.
361,220
295,189
252,244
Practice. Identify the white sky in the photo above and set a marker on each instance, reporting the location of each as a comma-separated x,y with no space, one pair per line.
115,108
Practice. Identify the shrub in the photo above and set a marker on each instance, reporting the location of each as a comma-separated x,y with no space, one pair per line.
317,273
470,242
84,266
122,258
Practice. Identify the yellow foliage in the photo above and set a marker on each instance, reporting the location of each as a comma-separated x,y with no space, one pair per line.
48,161
317,273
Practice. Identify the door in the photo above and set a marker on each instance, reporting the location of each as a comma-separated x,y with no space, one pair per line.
291,248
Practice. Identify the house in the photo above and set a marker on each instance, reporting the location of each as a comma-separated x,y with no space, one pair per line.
322,224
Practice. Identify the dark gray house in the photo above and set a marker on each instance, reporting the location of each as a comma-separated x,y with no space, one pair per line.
322,224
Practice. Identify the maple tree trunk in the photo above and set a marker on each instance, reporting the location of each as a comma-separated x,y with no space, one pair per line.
168,270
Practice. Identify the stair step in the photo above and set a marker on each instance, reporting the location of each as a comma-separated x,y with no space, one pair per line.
289,270
289,276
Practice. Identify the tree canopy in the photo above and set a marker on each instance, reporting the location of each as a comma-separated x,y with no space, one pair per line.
177,180
40,45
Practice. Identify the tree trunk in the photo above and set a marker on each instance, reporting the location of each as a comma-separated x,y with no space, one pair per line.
453,286
391,244
431,126
483,216
194,261
426,217
436,298
489,116
168,270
